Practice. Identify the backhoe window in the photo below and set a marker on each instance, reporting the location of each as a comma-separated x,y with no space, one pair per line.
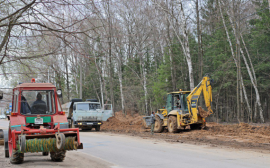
169,102
184,98
37,102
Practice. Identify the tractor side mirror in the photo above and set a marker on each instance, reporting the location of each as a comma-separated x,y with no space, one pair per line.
74,107
1,94
59,93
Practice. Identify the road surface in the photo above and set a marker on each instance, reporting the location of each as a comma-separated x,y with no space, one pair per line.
121,151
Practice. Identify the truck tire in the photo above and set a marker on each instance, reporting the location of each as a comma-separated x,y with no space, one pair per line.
195,126
172,124
97,128
87,129
158,125
58,156
16,157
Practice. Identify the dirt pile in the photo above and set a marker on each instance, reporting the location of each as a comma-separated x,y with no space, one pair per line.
122,123
241,135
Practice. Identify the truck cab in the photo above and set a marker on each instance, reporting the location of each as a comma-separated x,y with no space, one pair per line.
87,115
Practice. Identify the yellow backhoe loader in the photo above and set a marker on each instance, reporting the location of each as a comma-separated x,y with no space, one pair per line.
182,109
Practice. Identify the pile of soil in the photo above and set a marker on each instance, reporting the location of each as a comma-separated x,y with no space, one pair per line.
123,123
241,135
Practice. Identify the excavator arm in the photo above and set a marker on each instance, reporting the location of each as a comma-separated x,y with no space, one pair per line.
192,100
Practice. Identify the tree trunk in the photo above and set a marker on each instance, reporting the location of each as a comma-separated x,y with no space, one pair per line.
186,45
121,85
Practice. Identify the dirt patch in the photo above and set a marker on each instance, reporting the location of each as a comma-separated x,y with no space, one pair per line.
243,135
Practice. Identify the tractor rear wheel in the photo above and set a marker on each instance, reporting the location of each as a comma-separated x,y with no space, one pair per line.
172,124
58,156
158,125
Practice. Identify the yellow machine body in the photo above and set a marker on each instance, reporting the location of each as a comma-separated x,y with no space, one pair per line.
183,105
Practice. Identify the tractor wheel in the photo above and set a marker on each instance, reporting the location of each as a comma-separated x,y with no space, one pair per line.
58,156
45,153
195,126
158,125
14,156
172,124
97,128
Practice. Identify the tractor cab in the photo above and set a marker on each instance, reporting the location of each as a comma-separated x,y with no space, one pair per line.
177,101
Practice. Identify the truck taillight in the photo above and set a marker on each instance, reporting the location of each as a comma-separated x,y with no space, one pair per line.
62,113
14,114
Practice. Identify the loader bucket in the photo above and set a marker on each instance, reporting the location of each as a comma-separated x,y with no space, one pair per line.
146,121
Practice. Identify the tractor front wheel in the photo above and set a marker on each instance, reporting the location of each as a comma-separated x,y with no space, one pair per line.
58,156
15,157
172,124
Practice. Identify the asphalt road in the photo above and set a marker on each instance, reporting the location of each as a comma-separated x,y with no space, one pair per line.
128,152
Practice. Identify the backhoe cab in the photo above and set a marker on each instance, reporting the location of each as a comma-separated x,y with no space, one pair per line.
182,109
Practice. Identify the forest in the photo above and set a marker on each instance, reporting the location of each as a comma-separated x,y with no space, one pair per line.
131,53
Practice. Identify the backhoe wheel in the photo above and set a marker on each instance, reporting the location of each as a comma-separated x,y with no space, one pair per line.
58,156
172,124
45,153
158,125
97,128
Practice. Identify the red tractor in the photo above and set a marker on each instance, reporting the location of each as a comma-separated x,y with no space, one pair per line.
38,124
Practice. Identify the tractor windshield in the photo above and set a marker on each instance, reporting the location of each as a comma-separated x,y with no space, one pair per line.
37,102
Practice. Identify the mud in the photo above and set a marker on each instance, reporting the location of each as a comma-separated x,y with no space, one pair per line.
243,135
